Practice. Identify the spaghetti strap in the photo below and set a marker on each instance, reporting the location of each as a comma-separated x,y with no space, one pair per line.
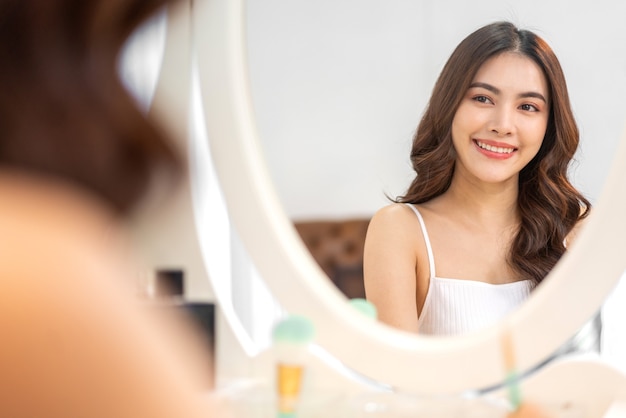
429,250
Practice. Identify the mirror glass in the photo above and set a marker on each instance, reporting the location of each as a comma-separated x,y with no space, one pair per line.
338,90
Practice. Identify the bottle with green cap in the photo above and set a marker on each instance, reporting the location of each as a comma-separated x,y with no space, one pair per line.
291,337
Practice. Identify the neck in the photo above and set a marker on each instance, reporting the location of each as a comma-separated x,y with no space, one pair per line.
493,204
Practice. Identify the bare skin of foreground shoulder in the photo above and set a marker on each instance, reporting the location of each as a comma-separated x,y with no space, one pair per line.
75,341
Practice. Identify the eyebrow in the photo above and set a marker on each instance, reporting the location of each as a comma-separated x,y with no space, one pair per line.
496,90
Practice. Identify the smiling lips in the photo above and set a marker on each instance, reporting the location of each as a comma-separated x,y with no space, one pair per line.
495,150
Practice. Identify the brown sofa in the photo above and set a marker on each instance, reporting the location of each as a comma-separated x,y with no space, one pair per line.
337,246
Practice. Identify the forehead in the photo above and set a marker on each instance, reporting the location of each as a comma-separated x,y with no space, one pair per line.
513,72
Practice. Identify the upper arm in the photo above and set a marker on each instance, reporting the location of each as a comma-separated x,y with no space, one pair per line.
390,266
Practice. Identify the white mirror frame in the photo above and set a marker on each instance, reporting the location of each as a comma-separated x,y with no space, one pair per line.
572,294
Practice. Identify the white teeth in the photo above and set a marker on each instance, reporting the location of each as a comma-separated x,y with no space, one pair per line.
499,150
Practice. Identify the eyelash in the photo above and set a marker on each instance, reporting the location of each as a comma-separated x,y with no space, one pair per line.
534,108
481,98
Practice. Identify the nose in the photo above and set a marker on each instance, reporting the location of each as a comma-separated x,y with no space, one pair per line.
502,122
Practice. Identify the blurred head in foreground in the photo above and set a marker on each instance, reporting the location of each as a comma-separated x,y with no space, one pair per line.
64,112
76,154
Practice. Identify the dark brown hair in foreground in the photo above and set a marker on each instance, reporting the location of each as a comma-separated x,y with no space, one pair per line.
63,110
548,204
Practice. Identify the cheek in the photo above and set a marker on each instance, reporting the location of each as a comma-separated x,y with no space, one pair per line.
454,130
455,133
539,133
460,117
535,140
459,125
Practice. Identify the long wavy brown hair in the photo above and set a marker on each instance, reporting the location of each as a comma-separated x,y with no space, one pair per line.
64,112
549,206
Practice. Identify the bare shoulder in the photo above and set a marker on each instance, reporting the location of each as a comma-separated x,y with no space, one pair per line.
390,262
57,244
394,216
395,227
394,209
56,229
61,285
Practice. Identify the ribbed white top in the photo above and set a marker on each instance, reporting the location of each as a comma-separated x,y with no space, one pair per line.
456,306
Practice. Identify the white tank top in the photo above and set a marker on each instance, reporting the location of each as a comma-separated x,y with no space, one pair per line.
456,306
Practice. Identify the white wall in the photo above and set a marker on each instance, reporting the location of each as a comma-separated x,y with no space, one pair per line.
339,87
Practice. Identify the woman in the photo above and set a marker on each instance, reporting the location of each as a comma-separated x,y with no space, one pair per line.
490,210
76,157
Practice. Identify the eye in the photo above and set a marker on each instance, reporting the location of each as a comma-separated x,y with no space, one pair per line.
482,99
529,107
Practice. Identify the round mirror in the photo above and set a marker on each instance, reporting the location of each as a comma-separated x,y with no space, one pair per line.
537,328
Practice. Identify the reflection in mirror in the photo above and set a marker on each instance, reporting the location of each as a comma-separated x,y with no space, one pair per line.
490,198
537,328
338,95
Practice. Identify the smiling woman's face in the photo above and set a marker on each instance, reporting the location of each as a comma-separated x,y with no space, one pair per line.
502,119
